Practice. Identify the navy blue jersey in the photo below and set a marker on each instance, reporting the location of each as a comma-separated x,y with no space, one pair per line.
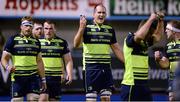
52,54
97,40
24,52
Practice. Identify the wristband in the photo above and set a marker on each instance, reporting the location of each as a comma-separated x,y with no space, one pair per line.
43,80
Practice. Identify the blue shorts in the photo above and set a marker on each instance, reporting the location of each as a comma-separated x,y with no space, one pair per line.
24,85
173,80
98,77
54,86
135,93
176,84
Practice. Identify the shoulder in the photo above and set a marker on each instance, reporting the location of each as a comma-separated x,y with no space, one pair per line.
129,40
34,39
108,26
59,39
90,25
130,35
14,36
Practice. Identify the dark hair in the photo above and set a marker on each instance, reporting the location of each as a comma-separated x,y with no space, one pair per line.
99,5
49,22
175,23
37,22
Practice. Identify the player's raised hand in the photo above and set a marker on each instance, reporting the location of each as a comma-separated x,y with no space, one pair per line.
153,16
82,21
160,15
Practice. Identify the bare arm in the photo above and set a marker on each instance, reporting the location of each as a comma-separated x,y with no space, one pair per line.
69,67
40,64
6,57
41,71
117,51
159,31
79,35
142,32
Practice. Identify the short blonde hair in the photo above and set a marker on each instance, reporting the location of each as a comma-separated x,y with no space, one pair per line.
28,18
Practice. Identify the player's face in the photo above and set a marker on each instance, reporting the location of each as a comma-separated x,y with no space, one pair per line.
37,30
169,33
26,30
49,30
99,15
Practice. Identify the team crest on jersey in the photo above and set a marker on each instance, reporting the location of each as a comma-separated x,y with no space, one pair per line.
34,43
90,88
15,94
57,44
106,30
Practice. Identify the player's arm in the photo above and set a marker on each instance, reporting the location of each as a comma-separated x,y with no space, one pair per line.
6,57
79,35
40,64
161,60
117,51
142,31
160,28
41,71
69,67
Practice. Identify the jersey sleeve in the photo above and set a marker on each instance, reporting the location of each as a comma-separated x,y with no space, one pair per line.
130,40
39,44
9,45
66,49
85,35
113,40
